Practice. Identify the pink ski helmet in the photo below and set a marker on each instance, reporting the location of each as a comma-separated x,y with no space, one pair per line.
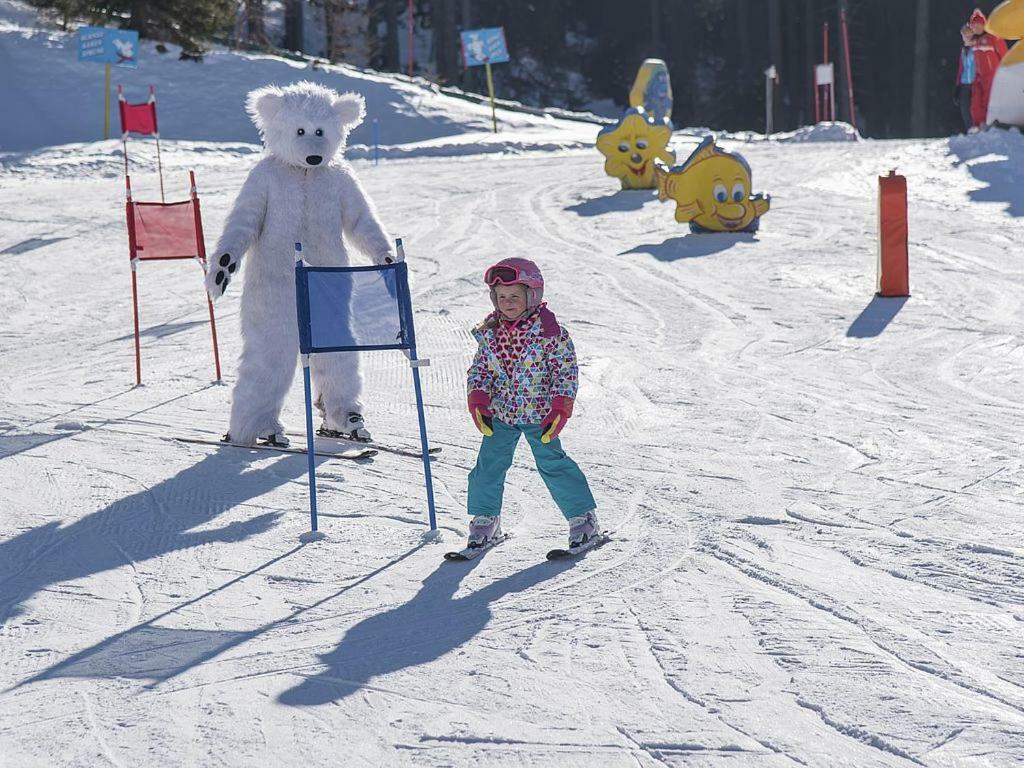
517,272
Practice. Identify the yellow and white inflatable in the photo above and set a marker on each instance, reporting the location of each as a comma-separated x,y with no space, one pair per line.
652,90
1006,104
631,146
711,191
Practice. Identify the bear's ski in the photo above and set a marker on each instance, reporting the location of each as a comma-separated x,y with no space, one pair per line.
352,454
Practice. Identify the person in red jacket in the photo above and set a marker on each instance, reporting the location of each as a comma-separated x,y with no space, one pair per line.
988,52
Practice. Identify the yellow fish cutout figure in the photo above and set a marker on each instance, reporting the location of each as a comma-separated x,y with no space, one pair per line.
631,146
652,90
712,191
1006,102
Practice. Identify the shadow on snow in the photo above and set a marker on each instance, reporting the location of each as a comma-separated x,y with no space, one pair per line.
875,317
151,652
623,200
431,624
692,246
147,524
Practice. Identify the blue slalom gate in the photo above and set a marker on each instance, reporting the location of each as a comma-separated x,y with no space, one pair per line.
356,309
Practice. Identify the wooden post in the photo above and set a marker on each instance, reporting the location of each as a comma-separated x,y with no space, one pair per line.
106,102
490,90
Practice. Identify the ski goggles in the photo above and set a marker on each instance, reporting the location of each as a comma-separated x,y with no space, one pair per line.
503,275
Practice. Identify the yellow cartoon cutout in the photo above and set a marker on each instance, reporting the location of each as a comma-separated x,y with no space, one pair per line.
652,90
712,191
631,146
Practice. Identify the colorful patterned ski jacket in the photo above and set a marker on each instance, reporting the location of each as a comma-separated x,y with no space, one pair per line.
522,366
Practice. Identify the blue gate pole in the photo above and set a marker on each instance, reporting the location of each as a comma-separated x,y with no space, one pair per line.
376,139
423,441
310,448
302,311
415,363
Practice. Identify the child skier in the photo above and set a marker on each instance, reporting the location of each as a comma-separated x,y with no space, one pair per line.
523,380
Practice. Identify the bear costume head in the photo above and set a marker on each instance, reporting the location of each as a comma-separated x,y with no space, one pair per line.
304,124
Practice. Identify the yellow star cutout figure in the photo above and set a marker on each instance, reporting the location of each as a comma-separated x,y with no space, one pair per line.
631,146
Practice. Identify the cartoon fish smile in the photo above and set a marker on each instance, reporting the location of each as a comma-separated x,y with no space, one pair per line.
731,223
631,146
711,190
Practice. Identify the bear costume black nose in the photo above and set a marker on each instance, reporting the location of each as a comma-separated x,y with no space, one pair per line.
314,159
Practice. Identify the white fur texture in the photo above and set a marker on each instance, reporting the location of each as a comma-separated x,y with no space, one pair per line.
286,199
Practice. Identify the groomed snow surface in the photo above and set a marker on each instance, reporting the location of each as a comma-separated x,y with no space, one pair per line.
816,494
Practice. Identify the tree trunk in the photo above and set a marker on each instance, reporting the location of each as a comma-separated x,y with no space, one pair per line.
810,59
444,39
391,61
742,12
139,15
792,86
255,30
331,13
293,26
775,54
919,92
656,51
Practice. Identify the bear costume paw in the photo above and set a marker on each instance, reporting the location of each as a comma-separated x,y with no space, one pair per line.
219,275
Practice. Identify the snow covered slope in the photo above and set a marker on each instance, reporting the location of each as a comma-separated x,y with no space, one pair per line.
816,493
51,98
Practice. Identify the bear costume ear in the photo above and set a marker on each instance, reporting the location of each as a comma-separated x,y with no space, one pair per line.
350,109
263,104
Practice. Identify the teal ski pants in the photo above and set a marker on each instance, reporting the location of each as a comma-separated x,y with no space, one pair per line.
564,479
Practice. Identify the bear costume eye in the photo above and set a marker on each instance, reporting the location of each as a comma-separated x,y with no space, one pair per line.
319,131
301,131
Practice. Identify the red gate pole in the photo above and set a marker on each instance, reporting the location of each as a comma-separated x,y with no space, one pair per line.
159,165
124,133
130,210
201,251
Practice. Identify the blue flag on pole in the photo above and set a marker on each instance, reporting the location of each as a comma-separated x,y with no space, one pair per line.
348,309
354,309
109,46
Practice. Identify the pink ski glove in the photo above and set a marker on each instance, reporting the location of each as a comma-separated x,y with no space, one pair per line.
480,410
561,410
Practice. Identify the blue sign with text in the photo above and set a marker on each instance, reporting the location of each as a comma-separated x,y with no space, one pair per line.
109,46
484,46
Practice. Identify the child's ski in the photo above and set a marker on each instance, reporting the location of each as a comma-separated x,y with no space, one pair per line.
472,553
352,454
593,543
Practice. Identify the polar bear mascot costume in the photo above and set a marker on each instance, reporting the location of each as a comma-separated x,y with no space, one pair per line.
300,191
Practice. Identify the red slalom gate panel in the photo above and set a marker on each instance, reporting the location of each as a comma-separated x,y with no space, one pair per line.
893,258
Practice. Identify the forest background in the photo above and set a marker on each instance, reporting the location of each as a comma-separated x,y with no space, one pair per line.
584,54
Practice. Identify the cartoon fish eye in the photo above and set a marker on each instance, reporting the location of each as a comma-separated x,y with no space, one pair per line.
720,194
623,147
738,193
319,131
301,131
641,144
